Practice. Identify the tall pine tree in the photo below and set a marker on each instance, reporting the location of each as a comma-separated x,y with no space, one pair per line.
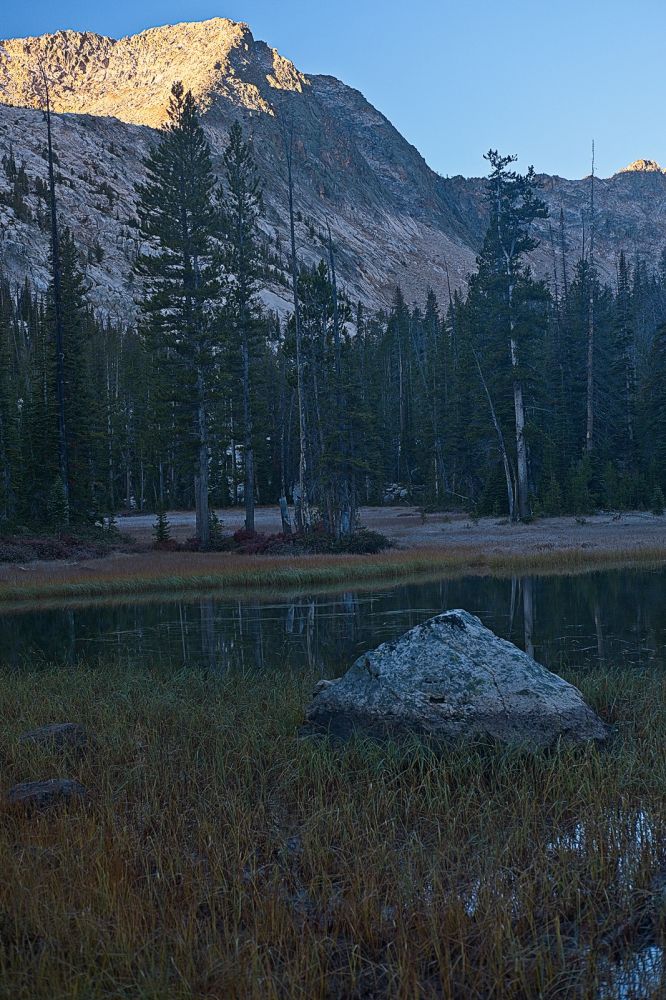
178,216
510,304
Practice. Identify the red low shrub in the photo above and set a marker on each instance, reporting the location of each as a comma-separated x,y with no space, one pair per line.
168,545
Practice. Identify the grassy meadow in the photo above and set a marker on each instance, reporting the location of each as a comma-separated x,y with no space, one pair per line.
222,856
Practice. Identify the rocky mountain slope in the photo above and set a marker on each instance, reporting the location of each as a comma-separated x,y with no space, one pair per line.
394,220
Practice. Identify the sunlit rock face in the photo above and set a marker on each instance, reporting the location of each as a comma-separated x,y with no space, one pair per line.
131,79
643,166
394,221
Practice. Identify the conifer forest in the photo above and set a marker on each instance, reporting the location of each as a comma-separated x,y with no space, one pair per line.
517,397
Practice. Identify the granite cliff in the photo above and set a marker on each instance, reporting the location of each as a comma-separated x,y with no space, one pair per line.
394,220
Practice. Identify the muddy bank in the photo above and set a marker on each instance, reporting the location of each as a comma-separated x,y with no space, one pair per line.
408,528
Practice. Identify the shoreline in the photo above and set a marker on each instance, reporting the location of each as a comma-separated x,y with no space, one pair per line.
148,575
426,547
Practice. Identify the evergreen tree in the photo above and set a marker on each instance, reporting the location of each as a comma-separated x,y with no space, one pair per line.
74,400
657,502
177,214
55,295
10,464
509,310
395,415
80,404
485,405
623,373
654,410
162,528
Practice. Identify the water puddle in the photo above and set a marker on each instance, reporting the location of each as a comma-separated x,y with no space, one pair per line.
642,976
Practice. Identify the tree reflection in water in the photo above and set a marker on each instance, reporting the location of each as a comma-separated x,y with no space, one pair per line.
609,618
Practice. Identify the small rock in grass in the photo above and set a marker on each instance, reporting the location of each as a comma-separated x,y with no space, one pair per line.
59,735
44,794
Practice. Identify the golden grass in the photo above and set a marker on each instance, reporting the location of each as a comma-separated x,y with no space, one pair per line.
161,573
223,857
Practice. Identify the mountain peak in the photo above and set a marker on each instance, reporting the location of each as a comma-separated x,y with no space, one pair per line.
394,221
643,167
131,78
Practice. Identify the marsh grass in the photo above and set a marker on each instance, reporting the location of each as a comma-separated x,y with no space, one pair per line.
223,857
168,572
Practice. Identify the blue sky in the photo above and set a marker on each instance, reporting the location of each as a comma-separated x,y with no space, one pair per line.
540,79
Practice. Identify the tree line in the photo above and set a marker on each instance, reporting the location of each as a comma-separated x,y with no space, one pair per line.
514,398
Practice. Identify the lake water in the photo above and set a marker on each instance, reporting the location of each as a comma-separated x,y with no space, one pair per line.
605,618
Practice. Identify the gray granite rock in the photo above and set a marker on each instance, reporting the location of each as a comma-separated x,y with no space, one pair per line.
453,678
57,735
44,794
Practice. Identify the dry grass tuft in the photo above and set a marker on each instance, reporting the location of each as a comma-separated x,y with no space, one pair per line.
222,857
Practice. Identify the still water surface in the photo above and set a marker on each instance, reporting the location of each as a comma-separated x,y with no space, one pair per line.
606,618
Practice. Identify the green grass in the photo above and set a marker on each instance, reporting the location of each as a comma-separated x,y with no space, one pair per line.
161,573
223,857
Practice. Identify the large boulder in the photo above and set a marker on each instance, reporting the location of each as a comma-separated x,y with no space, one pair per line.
453,678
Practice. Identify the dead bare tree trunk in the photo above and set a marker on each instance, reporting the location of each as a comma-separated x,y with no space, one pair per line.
248,450
523,505
344,514
285,422
301,509
201,475
431,398
508,476
589,429
284,516
233,489
563,254
556,282
521,443
201,500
